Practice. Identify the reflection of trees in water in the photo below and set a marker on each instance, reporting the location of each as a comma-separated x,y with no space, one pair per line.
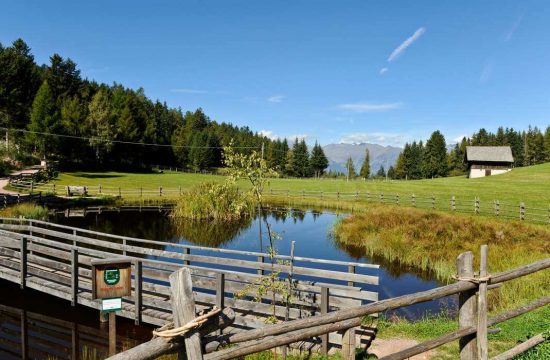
210,233
393,268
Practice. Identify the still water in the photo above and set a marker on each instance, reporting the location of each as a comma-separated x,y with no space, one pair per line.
311,230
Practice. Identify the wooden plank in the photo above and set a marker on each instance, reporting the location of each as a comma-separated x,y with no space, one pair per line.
138,285
467,315
23,262
74,276
183,309
483,346
324,311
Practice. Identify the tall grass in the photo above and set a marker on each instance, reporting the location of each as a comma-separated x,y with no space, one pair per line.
212,201
25,210
430,241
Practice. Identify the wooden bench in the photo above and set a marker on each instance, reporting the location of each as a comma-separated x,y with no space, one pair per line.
76,190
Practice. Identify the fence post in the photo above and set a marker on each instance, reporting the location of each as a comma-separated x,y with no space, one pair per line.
351,270
482,345
138,284
433,202
99,189
476,205
381,197
413,200
220,293
54,188
397,198
338,195
74,276
453,203
141,192
522,211
357,195
260,261
160,190
368,196
186,251
119,192
179,188
497,208
324,310
32,186
303,194
467,314
23,262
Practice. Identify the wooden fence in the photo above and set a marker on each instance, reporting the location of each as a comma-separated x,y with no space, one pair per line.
56,259
496,208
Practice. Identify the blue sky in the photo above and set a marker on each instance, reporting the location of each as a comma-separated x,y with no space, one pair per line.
312,68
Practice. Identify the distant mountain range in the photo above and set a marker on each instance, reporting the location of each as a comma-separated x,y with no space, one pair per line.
338,154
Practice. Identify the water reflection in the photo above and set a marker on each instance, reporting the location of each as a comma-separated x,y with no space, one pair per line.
210,233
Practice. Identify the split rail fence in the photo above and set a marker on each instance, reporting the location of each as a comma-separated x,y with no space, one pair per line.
56,259
496,208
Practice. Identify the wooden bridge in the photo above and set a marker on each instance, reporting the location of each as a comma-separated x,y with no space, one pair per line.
56,259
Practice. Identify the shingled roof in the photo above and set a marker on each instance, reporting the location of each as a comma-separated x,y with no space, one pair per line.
489,154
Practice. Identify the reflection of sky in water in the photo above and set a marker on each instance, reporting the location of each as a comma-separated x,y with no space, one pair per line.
311,231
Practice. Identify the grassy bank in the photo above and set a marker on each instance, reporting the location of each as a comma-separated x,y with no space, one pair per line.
430,241
25,210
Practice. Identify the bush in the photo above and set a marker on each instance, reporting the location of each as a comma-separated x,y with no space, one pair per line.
26,211
211,201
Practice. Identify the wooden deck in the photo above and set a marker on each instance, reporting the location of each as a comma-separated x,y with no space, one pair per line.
55,259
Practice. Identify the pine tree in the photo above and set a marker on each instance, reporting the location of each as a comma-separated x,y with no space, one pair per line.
318,161
290,166
100,124
365,168
350,169
381,173
547,145
301,159
391,173
435,156
44,119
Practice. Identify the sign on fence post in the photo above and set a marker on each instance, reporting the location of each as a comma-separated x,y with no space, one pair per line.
111,280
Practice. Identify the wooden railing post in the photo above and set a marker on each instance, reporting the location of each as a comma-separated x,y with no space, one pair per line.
453,203
397,199
467,313
497,208
413,200
138,290
476,205
183,310
74,276
522,211
186,251
324,310
220,290
119,192
260,261
482,306
23,262
381,197
348,344
160,190
99,189
351,270
433,202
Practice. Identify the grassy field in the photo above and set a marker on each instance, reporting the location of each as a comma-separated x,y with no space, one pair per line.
530,185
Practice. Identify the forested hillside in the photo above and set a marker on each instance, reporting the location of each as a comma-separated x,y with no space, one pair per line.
100,125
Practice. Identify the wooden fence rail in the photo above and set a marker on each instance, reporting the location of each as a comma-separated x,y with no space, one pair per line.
496,208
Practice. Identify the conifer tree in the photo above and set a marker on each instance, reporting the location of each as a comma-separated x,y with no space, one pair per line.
350,169
318,161
365,168
44,119
435,156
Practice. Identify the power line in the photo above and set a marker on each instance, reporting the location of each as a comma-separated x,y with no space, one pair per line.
123,142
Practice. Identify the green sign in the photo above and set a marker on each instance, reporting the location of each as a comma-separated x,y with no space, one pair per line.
111,276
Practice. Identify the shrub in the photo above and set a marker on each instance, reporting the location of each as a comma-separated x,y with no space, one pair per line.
26,210
211,201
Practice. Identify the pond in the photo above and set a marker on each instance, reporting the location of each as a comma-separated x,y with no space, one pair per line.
311,230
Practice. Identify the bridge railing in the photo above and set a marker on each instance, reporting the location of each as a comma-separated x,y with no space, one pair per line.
56,259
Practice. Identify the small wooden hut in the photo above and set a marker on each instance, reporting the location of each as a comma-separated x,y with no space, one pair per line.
488,160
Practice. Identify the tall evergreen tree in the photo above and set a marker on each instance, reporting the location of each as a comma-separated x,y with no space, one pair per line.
318,161
381,173
350,169
435,156
547,145
100,124
301,159
365,168
44,119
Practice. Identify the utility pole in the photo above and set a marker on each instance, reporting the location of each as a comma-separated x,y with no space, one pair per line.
263,150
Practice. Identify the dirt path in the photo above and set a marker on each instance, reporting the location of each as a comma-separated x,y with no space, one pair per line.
383,347
4,181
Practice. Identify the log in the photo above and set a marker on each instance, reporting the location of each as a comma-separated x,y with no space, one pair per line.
160,346
482,344
382,305
524,346
433,343
183,310
467,303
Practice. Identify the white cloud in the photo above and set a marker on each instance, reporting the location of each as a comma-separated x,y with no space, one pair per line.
276,98
383,70
381,138
458,139
513,28
369,107
405,44
268,134
188,91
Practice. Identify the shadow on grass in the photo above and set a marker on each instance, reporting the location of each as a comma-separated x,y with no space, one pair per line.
96,176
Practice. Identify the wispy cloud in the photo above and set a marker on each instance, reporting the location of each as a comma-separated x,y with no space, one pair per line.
188,91
458,139
381,138
510,33
363,107
486,72
405,44
276,98
383,70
